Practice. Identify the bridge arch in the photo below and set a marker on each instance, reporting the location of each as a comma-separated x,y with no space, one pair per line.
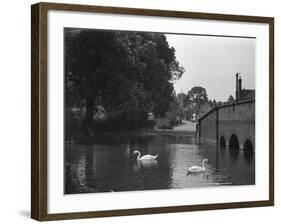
233,141
248,146
222,142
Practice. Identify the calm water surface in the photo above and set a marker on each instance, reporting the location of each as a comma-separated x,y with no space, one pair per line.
113,167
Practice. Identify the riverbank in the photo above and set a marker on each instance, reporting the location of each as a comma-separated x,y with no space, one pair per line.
186,128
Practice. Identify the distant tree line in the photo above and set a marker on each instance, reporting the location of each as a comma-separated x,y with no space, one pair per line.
127,74
191,102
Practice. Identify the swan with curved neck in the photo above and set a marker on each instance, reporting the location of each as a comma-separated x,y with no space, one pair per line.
145,157
198,169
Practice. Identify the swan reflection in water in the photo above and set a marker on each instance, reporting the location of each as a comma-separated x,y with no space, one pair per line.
144,164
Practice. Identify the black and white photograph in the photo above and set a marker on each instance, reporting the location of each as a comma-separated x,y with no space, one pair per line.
157,111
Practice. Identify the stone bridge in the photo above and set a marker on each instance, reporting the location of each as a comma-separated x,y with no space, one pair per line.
230,125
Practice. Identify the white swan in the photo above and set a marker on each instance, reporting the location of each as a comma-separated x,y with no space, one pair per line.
145,157
198,169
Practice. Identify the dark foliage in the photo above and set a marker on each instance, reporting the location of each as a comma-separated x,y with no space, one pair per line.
128,74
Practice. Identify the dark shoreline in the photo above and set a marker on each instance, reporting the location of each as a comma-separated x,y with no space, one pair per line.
125,135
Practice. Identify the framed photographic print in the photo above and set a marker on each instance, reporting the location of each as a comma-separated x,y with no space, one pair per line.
138,111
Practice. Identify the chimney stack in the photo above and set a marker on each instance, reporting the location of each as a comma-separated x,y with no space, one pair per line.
240,84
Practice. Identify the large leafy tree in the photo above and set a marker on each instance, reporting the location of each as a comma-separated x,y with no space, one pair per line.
128,73
197,95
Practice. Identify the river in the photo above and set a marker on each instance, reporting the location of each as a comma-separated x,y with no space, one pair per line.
112,166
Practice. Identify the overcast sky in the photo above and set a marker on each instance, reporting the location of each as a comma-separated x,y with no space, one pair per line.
211,62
